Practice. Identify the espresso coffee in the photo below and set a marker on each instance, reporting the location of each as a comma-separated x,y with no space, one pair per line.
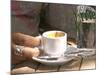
55,34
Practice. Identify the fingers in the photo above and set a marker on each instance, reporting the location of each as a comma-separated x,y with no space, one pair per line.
14,57
25,53
30,52
25,40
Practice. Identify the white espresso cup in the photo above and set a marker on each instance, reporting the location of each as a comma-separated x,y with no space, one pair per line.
54,43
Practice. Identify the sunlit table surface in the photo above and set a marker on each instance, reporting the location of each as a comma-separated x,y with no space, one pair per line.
33,67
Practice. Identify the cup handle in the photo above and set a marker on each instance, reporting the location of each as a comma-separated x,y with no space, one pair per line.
41,42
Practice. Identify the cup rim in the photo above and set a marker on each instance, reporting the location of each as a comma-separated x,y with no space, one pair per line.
44,34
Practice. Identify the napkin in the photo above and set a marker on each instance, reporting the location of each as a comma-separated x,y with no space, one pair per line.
84,52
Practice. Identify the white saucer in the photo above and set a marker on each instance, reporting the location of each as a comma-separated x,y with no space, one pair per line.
53,60
48,60
70,54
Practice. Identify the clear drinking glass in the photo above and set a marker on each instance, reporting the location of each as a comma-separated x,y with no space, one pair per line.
86,26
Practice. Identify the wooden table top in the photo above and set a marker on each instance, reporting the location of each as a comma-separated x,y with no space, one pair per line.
31,67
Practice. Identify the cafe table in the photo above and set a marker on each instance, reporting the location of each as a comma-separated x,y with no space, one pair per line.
32,67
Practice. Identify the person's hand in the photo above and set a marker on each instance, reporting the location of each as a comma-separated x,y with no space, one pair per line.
28,46
25,40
